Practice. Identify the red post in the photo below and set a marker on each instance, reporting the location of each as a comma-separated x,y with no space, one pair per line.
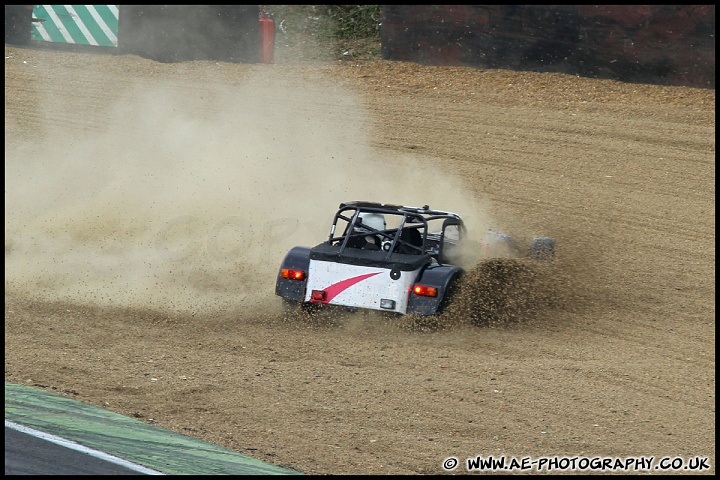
267,39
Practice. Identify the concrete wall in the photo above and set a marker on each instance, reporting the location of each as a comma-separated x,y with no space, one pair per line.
660,44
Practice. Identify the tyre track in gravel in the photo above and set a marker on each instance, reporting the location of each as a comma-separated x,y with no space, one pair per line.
525,144
650,186
513,397
647,357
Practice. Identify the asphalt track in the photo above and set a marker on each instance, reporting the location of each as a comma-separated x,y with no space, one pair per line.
133,441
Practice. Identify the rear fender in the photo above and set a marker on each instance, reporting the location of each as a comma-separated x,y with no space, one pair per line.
443,278
298,258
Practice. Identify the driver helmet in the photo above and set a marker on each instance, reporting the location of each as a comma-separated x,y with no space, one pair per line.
373,220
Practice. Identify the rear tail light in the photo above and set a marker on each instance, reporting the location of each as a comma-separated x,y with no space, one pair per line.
425,291
318,296
292,274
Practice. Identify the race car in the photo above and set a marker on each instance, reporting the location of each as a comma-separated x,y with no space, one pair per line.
391,258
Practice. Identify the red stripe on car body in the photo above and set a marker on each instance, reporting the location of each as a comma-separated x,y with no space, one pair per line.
335,289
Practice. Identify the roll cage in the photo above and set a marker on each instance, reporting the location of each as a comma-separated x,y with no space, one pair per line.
436,231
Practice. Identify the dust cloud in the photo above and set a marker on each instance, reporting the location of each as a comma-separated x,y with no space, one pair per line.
185,195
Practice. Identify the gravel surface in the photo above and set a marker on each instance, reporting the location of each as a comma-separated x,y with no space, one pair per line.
148,207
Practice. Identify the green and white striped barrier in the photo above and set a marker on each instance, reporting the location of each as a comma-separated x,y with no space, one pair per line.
77,24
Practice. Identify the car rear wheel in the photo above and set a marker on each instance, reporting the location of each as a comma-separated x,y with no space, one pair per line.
451,290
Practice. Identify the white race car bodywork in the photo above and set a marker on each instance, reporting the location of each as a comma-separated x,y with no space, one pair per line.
359,286
391,258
